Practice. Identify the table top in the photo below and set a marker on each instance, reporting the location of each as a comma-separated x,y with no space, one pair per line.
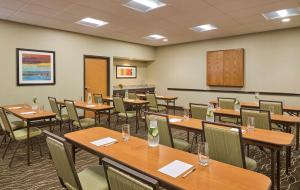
274,117
19,110
255,105
259,135
91,107
160,97
127,101
136,154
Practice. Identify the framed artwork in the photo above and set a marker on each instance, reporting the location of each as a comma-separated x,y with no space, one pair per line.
35,67
126,72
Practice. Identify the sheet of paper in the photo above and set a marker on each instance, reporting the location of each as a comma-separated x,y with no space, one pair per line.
236,130
174,120
28,112
129,100
175,168
91,105
14,108
159,96
104,141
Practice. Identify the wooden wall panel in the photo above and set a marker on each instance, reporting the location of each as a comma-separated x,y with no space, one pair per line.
233,67
214,74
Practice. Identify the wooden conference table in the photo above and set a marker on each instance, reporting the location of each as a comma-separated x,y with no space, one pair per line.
137,155
168,99
273,140
32,117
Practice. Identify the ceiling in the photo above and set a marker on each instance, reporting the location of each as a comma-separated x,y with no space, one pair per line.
233,17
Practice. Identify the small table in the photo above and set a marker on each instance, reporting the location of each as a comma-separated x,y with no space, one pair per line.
31,119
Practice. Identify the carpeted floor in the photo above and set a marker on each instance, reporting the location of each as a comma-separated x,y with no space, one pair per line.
41,174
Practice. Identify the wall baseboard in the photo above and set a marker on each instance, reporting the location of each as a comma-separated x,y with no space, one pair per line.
235,91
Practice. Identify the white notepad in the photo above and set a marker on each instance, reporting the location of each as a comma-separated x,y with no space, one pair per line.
175,168
28,112
129,100
104,141
14,108
91,105
236,130
174,120
159,96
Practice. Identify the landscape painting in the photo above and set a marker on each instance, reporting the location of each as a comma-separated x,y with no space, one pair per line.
35,67
126,71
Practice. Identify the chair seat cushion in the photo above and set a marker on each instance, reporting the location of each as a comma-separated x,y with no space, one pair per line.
85,122
158,109
64,117
250,164
17,125
93,178
129,114
21,134
181,144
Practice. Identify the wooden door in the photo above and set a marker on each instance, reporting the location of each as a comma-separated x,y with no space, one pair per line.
214,68
96,77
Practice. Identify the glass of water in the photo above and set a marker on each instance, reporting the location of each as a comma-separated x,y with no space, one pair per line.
203,156
250,124
126,132
186,114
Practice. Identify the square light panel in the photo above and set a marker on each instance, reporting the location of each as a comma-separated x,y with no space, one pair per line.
91,22
204,27
156,37
282,13
144,5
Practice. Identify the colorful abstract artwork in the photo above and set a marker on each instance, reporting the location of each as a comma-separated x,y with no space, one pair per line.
126,71
35,67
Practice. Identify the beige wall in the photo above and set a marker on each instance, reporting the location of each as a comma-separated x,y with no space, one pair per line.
141,72
272,63
69,48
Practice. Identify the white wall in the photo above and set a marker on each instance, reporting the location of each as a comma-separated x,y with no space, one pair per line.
272,64
69,48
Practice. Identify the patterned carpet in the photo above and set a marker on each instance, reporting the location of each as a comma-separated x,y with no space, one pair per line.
41,174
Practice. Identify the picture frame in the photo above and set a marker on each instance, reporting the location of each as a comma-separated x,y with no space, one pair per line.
126,72
35,67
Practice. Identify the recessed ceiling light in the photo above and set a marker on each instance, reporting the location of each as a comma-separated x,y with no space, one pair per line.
156,37
286,20
282,13
91,22
204,27
144,5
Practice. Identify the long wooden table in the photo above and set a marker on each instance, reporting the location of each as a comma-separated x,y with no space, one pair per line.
137,155
31,119
273,140
168,99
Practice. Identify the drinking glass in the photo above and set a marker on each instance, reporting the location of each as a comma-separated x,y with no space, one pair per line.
41,108
250,124
203,156
126,132
153,134
186,114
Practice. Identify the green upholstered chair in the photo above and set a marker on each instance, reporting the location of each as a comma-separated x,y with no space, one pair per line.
61,118
198,111
120,177
225,145
262,118
92,177
153,106
74,119
164,131
18,135
227,103
98,98
276,107
132,95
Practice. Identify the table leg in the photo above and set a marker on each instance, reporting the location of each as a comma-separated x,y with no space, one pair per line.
288,159
109,119
28,144
297,136
278,169
174,107
272,168
167,106
73,153
137,108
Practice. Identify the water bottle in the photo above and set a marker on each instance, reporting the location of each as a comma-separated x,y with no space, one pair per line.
89,98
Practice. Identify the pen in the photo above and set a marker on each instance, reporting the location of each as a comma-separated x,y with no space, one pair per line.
189,172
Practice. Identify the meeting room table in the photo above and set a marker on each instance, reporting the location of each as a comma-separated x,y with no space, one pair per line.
136,154
33,118
273,140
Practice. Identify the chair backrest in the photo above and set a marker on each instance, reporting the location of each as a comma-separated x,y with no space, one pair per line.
119,104
226,103
198,111
98,98
262,119
164,131
53,105
71,109
62,161
132,95
268,105
224,145
151,98
121,177
5,122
